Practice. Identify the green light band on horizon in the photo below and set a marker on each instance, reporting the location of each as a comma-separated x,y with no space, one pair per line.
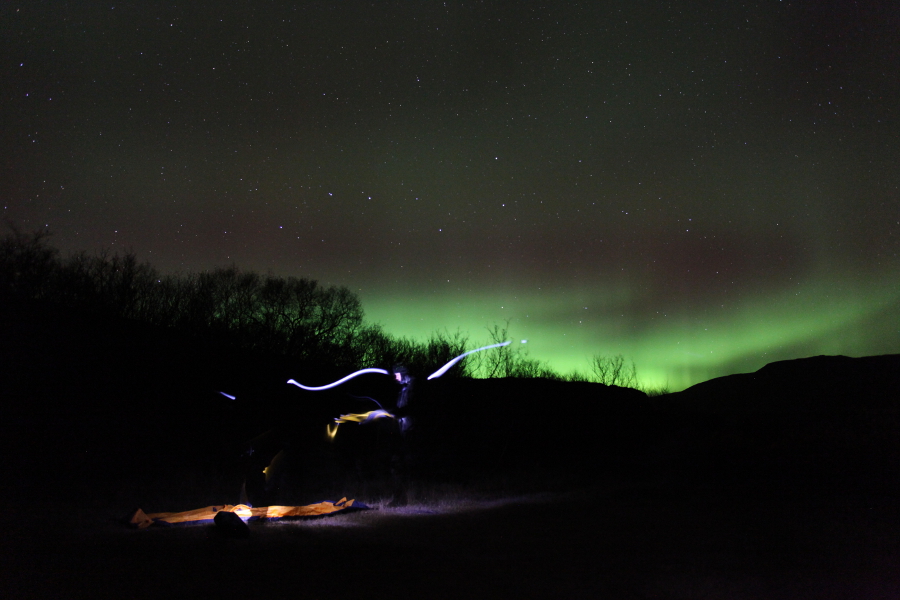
676,350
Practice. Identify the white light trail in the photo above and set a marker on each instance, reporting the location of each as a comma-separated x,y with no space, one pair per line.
339,381
446,367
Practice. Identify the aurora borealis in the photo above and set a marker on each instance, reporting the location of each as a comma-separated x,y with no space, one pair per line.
703,187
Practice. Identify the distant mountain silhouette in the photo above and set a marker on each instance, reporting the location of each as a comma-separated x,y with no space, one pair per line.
805,384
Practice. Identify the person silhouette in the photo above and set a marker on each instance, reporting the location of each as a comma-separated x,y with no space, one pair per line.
403,446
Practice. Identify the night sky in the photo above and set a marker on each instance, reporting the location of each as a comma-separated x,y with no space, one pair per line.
703,187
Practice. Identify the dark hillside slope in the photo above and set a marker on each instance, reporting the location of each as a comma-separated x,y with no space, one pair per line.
534,426
90,397
506,433
827,421
805,384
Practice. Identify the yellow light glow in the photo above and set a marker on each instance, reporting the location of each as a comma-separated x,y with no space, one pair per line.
362,417
332,432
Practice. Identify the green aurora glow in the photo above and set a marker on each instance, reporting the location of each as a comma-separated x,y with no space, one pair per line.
702,187
676,350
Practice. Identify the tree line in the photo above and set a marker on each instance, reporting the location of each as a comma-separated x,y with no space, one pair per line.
292,316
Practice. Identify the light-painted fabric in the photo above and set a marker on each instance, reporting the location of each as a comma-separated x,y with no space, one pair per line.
247,513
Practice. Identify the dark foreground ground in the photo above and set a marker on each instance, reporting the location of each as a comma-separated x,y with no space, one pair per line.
657,539
742,514
780,484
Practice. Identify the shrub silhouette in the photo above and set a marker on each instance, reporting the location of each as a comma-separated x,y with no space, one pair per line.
290,316
296,317
27,263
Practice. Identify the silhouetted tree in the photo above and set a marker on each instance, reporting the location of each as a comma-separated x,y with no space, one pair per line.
292,316
612,370
27,263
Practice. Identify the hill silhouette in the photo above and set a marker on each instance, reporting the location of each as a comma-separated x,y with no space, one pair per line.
804,384
101,395
775,484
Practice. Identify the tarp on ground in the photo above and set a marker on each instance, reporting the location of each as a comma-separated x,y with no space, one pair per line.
140,519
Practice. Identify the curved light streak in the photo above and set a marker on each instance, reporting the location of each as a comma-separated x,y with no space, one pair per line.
229,396
367,398
364,417
332,432
446,367
339,381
